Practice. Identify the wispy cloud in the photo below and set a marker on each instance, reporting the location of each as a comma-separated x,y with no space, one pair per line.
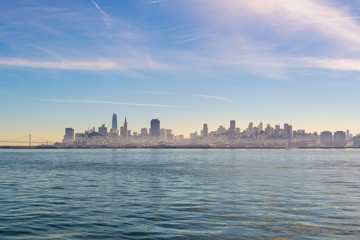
280,61
333,29
316,15
212,97
315,21
125,64
67,65
270,62
327,20
332,64
106,18
110,102
187,94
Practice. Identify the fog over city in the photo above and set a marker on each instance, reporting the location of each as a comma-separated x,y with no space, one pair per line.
254,136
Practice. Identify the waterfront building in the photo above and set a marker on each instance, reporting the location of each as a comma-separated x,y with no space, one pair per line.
281,132
69,136
205,131
255,131
169,135
356,141
163,134
103,130
69,133
260,127
300,132
269,130
114,132
326,138
232,127
144,132
288,130
221,130
348,135
80,138
155,128
249,130
277,130
339,139
193,135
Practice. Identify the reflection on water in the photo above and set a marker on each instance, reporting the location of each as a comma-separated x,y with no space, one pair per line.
162,194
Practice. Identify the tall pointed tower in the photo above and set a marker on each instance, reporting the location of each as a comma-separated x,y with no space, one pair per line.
126,135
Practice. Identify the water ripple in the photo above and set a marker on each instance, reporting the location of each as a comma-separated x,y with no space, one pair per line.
179,194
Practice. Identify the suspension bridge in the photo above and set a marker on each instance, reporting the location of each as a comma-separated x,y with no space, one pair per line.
28,139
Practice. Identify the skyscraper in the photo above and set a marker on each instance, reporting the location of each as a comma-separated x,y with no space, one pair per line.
277,129
356,141
205,131
155,128
269,130
288,130
114,126
114,122
103,130
163,134
169,135
69,136
125,132
326,138
144,132
249,130
339,139
232,127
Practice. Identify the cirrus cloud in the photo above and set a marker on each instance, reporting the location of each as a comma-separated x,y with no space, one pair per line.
67,65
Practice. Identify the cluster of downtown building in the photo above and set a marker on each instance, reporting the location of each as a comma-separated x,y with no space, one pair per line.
252,136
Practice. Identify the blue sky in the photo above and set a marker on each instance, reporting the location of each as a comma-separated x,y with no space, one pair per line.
75,63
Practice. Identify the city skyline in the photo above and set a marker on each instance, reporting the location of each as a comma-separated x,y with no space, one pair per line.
122,130
154,132
254,135
231,126
186,63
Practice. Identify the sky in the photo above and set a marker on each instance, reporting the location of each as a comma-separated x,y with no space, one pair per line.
186,62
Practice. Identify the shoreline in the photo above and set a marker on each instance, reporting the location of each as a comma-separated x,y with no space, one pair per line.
166,147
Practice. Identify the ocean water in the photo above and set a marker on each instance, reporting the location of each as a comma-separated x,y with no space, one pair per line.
180,194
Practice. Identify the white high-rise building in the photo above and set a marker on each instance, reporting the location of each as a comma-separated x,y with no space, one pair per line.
163,134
